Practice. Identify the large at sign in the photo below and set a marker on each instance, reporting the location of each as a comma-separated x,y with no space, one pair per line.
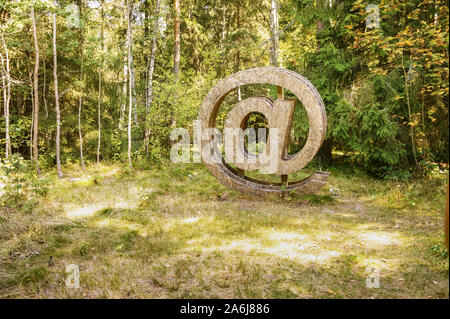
279,114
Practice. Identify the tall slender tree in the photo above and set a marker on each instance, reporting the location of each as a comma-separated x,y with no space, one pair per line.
80,96
124,98
35,91
44,87
30,77
274,33
123,104
130,74
176,55
151,69
274,36
57,108
6,85
100,75
238,51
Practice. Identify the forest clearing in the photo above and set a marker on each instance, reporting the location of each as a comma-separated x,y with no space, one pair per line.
153,233
119,177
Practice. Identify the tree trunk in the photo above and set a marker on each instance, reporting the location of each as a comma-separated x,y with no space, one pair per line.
130,76
125,77
57,109
409,114
325,153
238,52
124,91
43,90
80,97
131,68
176,55
99,100
147,63
36,93
274,33
99,130
5,108
274,60
151,69
6,82
30,75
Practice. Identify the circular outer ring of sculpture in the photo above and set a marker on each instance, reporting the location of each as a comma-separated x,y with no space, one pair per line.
317,118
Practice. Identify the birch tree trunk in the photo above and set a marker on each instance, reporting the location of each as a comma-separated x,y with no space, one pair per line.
238,52
99,132
36,92
124,91
5,107
274,33
147,17
44,89
130,75
30,76
125,76
99,100
80,97
176,55
57,109
6,83
151,69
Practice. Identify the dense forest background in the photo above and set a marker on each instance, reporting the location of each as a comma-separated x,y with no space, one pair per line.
111,85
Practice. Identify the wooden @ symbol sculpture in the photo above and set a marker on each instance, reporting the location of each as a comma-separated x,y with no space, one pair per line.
279,116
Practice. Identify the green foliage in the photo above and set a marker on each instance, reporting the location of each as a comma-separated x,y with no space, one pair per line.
360,74
385,90
19,188
13,181
409,53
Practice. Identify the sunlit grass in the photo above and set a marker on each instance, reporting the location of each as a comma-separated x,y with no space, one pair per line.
175,232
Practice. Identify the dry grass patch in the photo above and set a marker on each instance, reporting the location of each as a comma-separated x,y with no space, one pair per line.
174,232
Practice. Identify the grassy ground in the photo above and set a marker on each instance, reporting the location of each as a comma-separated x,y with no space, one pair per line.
175,232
